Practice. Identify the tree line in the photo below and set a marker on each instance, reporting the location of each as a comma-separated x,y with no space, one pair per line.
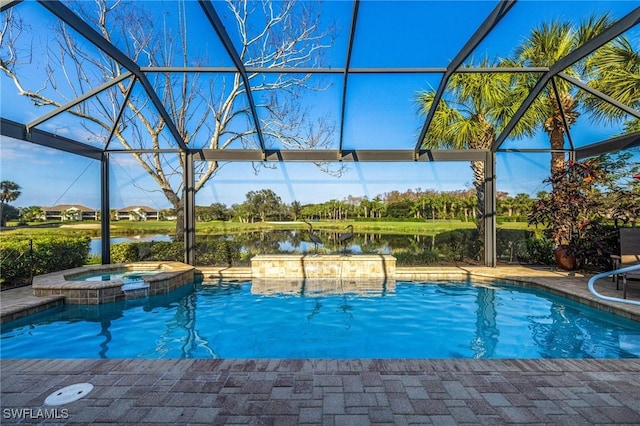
422,205
265,204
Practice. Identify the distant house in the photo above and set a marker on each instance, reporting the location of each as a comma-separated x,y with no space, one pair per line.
65,212
137,213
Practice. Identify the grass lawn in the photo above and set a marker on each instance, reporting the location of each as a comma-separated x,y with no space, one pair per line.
392,227
121,228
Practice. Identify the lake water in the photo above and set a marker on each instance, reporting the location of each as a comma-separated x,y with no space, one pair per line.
287,242
282,241
452,245
95,246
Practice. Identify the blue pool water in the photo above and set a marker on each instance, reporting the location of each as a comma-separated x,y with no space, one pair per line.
131,280
409,320
124,275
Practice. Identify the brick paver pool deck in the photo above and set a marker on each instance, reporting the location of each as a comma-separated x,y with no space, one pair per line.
332,392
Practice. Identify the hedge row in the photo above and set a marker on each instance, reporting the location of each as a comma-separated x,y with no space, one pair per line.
208,252
19,259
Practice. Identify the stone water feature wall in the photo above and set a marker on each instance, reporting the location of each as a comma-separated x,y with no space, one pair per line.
323,266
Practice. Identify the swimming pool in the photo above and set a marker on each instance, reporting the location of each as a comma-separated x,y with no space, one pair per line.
131,280
406,320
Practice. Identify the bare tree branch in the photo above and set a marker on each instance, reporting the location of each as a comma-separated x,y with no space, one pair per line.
209,112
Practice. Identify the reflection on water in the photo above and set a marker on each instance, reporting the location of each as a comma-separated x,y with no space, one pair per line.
328,319
298,241
416,248
322,286
487,333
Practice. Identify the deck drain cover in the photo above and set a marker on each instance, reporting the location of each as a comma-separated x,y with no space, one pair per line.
69,394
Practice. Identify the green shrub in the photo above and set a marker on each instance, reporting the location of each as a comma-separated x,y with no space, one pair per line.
458,244
539,251
415,258
49,254
94,259
594,246
15,260
124,253
511,244
219,251
387,219
154,250
209,251
513,218
163,250
56,253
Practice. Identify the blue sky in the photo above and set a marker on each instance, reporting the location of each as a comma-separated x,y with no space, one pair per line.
381,111
48,177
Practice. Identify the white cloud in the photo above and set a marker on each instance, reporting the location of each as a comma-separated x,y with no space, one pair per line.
16,153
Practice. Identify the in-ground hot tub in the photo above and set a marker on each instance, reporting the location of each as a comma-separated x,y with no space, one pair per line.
98,284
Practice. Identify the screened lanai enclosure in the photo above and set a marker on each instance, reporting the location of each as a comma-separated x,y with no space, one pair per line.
197,95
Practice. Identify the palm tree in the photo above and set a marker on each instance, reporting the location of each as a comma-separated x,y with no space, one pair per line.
506,206
470,119
9,191
469,207
31,213
433,202
378,207
615,71
522,203
295,208
547,44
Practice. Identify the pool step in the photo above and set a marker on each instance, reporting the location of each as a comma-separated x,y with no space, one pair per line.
136,289
136,285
